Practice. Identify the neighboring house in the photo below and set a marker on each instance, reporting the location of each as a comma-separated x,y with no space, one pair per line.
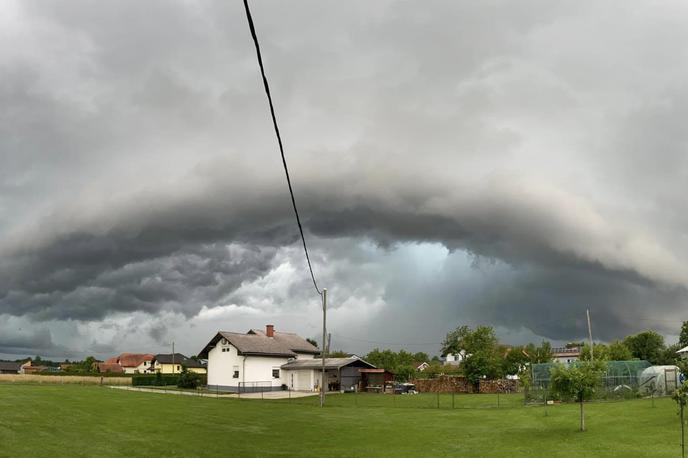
566,355
30,368
421,366
66,366
132,363
683,352
174,363
193,365
111,368
271,360
454,359
9,367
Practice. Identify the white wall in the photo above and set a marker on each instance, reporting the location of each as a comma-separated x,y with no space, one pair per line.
251,368
259,369
304,356
221,365
566,359
302,379
143,367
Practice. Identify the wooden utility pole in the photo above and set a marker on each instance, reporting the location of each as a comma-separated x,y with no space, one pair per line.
587,312
324,336
173,356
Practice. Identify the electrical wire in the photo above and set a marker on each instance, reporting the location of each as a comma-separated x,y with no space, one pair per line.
279,140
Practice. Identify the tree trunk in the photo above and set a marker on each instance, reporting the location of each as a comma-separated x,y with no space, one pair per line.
582,422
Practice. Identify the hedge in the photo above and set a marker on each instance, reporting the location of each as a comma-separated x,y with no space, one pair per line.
161,379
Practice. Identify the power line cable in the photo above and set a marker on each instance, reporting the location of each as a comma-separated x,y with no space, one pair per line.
279,140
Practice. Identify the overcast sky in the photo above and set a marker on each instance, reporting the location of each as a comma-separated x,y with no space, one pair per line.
502,163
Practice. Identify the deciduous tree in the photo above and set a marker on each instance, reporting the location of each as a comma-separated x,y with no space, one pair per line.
618,351
601,352
577,382
647,345
683,337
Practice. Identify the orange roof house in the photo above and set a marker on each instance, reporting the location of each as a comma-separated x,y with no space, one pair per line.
131,363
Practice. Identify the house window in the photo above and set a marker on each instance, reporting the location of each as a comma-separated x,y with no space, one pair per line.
236,372
275,373
177,367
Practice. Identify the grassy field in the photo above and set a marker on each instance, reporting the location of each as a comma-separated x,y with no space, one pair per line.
99,421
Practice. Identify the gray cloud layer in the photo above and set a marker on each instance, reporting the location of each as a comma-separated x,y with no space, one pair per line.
140,175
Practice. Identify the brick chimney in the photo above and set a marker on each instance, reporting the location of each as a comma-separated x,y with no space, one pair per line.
270,330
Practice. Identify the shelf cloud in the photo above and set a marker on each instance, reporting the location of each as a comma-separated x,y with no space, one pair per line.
458,163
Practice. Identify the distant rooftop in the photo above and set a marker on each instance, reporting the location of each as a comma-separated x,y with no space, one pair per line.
563,351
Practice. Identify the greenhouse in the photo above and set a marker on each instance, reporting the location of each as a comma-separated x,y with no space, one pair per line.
621,379
658,380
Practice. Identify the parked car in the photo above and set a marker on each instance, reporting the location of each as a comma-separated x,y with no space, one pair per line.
405,388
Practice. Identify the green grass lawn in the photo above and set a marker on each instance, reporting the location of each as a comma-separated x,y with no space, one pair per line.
54,420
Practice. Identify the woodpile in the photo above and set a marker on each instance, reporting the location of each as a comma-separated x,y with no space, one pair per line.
499,385
444,384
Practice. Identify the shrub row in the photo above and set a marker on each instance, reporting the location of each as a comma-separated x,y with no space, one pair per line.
60,379
162,379
154,379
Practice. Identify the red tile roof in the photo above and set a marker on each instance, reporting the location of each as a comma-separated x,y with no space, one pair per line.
108,367
134,359
130,359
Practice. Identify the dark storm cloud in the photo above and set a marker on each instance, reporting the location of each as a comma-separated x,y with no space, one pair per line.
140,173
181,280
15,341
552,303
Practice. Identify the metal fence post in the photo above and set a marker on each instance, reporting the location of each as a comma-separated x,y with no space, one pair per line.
683,442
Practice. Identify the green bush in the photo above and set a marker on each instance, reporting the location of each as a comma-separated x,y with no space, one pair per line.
188,379
157,379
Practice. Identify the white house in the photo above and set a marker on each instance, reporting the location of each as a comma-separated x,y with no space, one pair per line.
565,355
683,352
132,363
421,366
270,360
454,359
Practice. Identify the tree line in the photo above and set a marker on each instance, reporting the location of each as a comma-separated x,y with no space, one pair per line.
488,358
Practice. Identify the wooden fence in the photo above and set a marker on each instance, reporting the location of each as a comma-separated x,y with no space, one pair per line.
64,379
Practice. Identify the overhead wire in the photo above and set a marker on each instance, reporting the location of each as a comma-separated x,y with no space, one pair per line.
279,140
266,86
